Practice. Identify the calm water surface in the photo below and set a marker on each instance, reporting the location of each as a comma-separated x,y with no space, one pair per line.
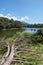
14,31
31,30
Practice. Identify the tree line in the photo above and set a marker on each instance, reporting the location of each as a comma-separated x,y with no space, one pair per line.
6,23
35,25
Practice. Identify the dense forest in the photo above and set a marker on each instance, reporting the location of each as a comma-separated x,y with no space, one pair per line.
6,23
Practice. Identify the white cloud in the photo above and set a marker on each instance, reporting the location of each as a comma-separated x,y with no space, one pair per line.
1,15
25,18
9,16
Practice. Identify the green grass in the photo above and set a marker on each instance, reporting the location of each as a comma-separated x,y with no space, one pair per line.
33,54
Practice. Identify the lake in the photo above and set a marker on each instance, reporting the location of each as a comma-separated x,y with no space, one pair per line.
12,32
31,30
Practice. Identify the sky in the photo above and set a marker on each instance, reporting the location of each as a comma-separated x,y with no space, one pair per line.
29,11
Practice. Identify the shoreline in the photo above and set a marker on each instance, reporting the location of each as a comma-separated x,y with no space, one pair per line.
19,28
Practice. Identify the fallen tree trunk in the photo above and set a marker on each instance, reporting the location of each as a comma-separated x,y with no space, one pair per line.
7,59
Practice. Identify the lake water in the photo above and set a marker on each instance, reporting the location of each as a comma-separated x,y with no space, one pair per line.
14,31
31,30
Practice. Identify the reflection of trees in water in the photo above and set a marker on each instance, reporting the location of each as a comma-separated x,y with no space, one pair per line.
10,32
33,29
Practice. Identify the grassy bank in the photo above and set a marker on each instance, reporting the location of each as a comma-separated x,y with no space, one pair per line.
29,53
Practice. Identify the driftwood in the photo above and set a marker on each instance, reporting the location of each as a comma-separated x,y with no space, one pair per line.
9,55
7,59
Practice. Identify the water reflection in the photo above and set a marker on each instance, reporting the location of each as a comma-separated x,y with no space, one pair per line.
31,30
9,33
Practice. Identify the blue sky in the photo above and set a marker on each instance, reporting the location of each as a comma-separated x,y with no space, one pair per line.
30,11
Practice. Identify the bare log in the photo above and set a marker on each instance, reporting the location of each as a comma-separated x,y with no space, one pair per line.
8,57
5,55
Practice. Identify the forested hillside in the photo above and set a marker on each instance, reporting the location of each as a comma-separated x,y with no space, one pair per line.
6,23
